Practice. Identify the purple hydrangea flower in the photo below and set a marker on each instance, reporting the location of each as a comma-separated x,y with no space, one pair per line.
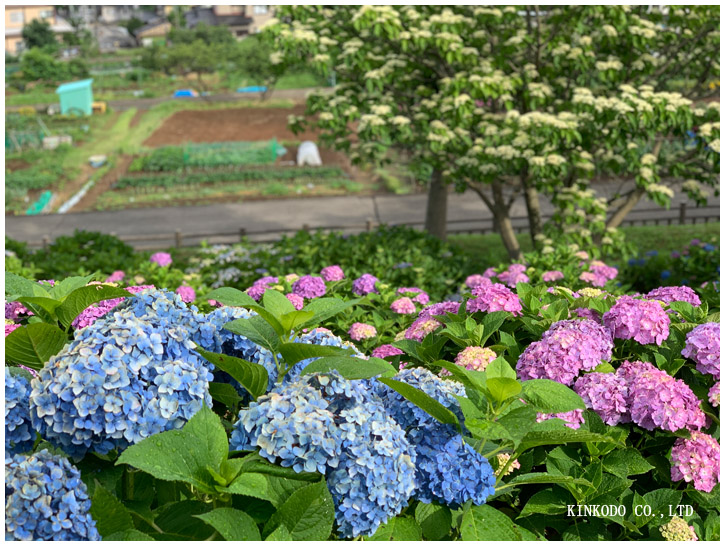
552,276
668,294
10,327
297,301
440,309
590,314
703,346
494,297
386,350
15,309
161,258
187,293
697,460
567,348
606,394
474,280
332,273
645,321
421,327
403,306
364,284
259,287
309,287
489,273
657,400
589,277
572,419
602,272
421,296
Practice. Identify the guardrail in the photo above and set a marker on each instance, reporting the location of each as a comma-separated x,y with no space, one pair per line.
178,239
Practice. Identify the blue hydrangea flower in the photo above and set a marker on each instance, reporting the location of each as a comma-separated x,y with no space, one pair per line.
45,499
324,423
319,336
19,435
129,375
449,470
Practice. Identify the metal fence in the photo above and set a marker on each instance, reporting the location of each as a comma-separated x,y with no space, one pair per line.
179,239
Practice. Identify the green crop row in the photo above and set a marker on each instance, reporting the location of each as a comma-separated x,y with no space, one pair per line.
176,158
212,177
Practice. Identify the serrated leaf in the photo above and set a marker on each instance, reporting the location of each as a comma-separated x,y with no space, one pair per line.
276,303
232,524
34,344
547,501
502,388
324,308
500,368
183,455
257,330
231,297
250,375
48,304
297,352
553,437
307,514
16,286
423,401
487,523
225,394
491,322
551,397
350,367
398,528
128,535
177,521
281,533
626,462
81,298
62,288
110,514
435,520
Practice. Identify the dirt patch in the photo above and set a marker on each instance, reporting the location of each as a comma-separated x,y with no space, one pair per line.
248,124
136,118
72,186
104,184
16,164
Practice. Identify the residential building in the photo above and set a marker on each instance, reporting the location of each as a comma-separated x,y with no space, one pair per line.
16,17
153,32
260,15
241,20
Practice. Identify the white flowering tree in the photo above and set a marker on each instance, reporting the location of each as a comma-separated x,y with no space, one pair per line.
510,101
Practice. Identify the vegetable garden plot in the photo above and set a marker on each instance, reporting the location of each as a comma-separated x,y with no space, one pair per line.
174,158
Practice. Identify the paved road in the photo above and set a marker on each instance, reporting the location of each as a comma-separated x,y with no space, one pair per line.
465,212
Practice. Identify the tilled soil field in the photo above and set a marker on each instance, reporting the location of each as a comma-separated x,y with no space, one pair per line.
227,125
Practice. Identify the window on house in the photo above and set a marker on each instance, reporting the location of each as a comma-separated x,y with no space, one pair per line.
46,14
260,10
16,17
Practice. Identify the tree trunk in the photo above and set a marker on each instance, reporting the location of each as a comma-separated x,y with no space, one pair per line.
503,222
622,212
437,207
533,206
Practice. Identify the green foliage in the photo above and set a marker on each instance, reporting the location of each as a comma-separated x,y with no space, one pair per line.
38,34
37,64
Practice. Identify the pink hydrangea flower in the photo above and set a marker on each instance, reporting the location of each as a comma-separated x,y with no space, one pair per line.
514,275
332,273
603,272
702,345
187,293
489,273
297,301
215,303
503,459
403,306
473,358
474,280
657,400
365,284
591,314
309,287
588,277
552,276
714,395
386,350
668,294
161,258
606,394
572,419
359,331
422,297
421,327
15,309
493,297
259,287
645,321
10,326
116,276
566,349
582,255
697,460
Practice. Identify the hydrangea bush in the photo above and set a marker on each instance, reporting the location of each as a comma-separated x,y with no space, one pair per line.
329,413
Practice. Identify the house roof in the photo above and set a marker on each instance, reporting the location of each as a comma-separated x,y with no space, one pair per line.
198,15
74,86
151,26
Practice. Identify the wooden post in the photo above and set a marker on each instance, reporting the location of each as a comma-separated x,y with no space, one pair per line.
178,238
683,212
46,241
369,224
242,234
306,227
